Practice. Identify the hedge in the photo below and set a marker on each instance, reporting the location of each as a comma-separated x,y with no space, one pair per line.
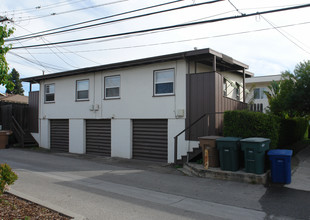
293,130
281,132
246,124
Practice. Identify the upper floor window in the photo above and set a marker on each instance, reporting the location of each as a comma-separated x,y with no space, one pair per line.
259,93
49,93
112,86
224,87
82,88
238,91
164,82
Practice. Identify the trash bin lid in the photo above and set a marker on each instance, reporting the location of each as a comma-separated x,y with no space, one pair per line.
229,139
255,139
280,152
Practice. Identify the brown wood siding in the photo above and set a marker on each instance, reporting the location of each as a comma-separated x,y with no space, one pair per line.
33,111
200,99
98,137
59,135
224,103
150,139
204,94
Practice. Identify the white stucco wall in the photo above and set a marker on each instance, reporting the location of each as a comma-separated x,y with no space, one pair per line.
77,136
235,78
121,133
45,133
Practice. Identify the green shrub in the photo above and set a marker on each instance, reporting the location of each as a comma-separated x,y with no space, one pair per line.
293,130
246,124
7,177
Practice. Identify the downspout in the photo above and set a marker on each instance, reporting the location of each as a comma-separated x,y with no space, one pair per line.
214,63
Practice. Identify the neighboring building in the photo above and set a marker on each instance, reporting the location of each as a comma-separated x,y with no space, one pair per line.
256,86
14,99
134,109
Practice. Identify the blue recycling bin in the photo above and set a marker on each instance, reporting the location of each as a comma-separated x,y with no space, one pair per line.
280,161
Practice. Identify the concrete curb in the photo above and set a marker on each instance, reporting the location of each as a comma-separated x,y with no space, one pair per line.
217,173
47,205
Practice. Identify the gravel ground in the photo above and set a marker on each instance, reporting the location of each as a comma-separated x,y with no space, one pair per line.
13,207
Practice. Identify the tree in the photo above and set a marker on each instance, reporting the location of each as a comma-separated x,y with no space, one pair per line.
290,96
4,67
300,97
18,87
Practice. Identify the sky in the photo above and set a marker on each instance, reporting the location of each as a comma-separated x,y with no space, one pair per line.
269,43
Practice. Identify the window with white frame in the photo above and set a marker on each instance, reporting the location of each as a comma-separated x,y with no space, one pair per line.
224,87
259,93
112,87
164,82
49,93
82,89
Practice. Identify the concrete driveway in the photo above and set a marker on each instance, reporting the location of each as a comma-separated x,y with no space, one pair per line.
105,188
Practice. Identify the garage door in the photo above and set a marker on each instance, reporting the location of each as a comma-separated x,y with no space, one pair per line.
98,137
59,135
150,139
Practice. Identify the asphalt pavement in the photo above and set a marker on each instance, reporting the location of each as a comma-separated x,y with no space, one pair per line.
89,187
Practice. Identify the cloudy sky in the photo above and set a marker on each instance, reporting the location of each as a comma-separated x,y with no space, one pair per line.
269,43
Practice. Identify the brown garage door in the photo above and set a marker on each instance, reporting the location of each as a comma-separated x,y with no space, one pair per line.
150,139
59,135
98,137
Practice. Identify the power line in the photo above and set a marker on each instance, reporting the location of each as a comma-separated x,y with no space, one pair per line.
74,10
55,5
185,40
269,22
33,56
118,20
235,7
102,18
167,27
61,51
39,63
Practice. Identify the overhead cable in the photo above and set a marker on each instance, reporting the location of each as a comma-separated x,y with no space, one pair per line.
102,18
167,27
118,20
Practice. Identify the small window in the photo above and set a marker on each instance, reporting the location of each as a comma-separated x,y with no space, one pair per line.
263,95
164,82
238,92
82,88
259,93
224,87
49,93
112,87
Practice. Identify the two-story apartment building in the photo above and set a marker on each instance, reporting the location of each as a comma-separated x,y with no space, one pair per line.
134,109
257,86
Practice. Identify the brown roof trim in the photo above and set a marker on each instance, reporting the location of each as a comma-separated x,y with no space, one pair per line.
132,63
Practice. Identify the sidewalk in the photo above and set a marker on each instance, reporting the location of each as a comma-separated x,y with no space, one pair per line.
301,171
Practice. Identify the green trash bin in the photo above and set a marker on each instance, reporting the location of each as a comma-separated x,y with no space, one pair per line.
254,153
229,148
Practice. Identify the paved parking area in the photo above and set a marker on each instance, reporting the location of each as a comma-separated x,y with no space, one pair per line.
111,188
